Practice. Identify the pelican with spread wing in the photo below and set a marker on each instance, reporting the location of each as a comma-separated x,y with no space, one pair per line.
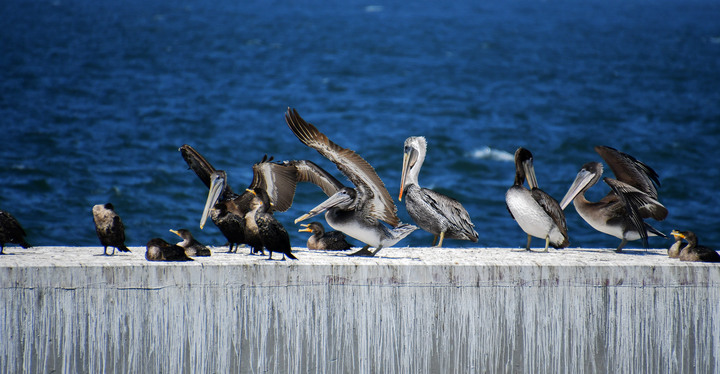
633,197
358,212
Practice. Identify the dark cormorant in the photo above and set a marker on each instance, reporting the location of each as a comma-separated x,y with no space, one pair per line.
109,228
434,212
272,234
358,211
191,245
537,213
11,231
632,198
328,241
693,251
160,250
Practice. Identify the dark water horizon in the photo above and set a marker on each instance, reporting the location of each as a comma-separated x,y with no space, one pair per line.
96,98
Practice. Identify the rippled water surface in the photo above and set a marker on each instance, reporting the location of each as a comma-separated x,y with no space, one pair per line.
96,98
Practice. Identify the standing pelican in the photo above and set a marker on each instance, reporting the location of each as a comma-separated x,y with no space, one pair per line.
435,213
632,198
693,251
11,231
328,241
537,213
358,211
109,228
191,245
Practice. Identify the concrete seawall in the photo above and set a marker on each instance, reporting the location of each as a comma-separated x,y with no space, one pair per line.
409,310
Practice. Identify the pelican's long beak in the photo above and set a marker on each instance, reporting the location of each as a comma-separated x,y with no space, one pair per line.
583,178
405,168
530,173
339,198
217,185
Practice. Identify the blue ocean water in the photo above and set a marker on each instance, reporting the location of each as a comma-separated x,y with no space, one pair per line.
96,97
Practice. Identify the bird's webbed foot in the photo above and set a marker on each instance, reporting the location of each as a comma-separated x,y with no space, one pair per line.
364,252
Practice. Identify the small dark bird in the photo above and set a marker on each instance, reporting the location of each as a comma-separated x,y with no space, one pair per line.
230,224
11,231
160,250
328,241
191,245
694,252
273,235
109,228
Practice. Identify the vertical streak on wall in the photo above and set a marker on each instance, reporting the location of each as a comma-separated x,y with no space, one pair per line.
335,318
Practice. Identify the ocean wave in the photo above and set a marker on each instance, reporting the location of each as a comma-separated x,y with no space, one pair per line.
487,153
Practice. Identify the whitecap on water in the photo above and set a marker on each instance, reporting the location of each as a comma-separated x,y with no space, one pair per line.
487,153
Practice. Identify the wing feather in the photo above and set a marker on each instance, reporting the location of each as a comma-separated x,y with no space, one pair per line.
354,167
631,171
552,207
278,180
308,171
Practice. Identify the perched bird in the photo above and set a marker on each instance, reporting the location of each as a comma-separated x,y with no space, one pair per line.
694,252
537,213
273,235
328,241
191,245
440,215
358,212
11,231
109,228
228,209
160,250
674,250
632,198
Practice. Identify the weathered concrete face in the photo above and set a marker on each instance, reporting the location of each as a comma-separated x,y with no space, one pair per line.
410,310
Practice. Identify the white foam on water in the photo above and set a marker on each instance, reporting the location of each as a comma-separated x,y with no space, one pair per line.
487,153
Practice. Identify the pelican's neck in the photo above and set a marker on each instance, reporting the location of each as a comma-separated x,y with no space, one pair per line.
519,176
412,175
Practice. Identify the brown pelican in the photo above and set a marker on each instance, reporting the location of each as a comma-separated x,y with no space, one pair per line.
537,213
109,228
328,241
632,198
674,250
11,231
440,215
358,211
273,235
694,252
160,250
190,244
